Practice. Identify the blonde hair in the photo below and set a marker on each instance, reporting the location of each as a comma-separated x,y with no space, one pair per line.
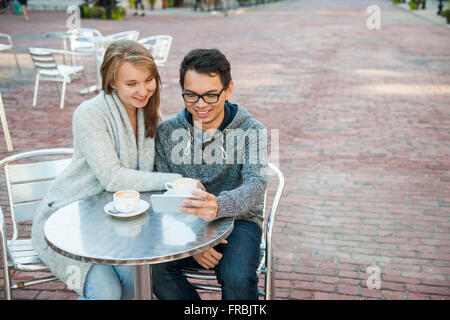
135,53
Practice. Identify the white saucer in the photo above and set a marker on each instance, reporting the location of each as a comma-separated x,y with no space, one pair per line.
143,206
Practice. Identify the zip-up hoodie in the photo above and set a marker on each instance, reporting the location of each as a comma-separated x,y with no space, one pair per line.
231,164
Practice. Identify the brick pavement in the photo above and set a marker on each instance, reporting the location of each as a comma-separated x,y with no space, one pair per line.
363,122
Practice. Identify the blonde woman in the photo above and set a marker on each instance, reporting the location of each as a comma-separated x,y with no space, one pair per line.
113,150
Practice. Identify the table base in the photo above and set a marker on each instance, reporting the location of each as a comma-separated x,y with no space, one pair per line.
143,282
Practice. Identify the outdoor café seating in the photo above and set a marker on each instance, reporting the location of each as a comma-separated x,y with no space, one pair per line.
26,184
6,47
49,70
159,47
266,259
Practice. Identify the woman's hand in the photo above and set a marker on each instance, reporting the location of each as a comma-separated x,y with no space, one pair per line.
206,208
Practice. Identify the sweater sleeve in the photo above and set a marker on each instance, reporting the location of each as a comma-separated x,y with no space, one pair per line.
248,195
97,147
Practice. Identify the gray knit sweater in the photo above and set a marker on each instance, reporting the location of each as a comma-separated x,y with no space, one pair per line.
105,158
227,164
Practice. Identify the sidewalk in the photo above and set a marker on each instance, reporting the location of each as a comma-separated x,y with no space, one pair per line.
428,13
363,123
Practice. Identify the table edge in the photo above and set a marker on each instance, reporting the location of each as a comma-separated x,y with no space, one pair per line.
155,260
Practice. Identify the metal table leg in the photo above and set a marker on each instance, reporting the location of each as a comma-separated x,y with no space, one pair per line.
143,282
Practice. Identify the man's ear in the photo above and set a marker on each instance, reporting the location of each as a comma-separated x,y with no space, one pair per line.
229,90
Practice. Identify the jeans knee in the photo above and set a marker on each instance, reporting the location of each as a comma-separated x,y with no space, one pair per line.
112,291
238,281
102,283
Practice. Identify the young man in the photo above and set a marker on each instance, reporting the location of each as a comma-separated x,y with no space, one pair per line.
213,140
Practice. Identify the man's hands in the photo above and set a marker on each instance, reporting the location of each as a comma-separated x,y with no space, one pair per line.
205,209
209,258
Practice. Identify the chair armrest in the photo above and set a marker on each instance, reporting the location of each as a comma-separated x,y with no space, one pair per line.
4,35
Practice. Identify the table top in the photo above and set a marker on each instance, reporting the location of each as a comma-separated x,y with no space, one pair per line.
83,231
56,34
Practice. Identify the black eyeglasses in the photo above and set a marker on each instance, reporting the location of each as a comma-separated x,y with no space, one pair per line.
209,98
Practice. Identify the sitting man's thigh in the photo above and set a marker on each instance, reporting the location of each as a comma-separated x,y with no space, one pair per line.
236,271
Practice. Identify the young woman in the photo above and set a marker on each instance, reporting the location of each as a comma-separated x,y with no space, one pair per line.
113,150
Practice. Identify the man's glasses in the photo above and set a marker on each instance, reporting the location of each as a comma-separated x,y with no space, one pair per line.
209,98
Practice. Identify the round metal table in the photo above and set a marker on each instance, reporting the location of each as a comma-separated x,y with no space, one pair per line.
83,231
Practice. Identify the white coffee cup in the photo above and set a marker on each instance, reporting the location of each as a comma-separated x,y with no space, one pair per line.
126,200
182,186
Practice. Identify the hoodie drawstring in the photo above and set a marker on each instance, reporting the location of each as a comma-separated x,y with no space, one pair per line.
187,150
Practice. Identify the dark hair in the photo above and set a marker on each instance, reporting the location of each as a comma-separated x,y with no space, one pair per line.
209,61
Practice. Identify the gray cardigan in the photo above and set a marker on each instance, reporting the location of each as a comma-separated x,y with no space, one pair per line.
105,158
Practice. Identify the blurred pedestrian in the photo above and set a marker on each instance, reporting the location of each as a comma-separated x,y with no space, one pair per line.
24,9
198,4
141,5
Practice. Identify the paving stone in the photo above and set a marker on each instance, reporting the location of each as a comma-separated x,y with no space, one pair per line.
363,123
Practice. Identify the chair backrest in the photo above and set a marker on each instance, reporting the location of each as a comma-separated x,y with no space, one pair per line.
125,35
44,60
270,218
274,207
27,183
159,47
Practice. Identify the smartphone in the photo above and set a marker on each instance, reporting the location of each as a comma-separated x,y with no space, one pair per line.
169,203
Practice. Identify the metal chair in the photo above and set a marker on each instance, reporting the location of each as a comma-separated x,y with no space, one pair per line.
266,262
9,47
82,41
5,125
49,70
125,35
159,47
79,43
26,184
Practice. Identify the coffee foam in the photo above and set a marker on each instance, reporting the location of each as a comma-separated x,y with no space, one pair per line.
126,194
181,181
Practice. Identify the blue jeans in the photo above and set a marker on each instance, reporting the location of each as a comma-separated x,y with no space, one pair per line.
105,282
236,271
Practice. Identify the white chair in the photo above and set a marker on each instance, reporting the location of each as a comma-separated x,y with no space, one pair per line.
5,125
49,70
125,35
9,47
159,47
26,184
80,42
265,260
